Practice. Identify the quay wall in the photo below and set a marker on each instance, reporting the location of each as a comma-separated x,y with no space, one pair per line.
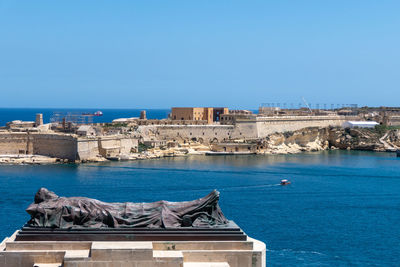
64,146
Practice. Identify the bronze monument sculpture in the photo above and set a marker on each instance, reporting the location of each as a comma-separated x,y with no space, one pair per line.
52,211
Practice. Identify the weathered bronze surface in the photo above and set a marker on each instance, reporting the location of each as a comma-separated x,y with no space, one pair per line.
52,211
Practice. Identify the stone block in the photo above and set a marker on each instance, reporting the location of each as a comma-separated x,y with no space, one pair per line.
235,258
164,256
73,255
125,251
48,245
47,264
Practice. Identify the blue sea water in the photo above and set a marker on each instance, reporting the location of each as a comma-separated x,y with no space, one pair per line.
28,114
342,208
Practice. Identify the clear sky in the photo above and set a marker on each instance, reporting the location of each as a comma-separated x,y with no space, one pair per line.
158,54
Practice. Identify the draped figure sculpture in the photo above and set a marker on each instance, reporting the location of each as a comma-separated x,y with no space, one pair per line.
52,211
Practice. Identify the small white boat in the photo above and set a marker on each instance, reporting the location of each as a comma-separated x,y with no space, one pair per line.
285,182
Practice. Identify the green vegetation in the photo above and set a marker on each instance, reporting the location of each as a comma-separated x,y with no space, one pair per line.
382,129
142,147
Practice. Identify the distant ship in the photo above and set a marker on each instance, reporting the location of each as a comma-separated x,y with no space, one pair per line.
97,114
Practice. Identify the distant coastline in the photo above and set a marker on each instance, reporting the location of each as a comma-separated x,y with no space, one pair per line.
71,137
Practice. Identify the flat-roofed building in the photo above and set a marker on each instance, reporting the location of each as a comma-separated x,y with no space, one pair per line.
360,124
198,113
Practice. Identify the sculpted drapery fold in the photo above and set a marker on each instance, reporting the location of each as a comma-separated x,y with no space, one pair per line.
52,211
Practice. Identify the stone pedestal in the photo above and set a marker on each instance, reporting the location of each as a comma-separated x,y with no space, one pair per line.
245,253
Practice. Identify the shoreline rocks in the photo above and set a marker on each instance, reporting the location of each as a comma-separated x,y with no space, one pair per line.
305,140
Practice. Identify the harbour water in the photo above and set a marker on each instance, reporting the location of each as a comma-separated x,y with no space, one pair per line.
342,208
28,114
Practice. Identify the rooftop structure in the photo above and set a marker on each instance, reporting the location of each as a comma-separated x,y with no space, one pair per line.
86,130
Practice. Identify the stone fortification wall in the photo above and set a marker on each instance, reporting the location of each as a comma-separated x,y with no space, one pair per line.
202,133
112,146
14,143
270,125
87,148
106,146
64,146
259,127
394,121
54,145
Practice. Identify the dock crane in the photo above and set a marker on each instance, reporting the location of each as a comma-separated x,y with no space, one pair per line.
305,102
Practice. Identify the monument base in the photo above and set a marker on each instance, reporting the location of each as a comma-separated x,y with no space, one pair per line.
230,232
61,253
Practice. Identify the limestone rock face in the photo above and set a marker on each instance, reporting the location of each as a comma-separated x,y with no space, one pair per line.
355,139
308,139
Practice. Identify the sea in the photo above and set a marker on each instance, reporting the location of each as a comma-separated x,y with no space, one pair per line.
342,208
51,114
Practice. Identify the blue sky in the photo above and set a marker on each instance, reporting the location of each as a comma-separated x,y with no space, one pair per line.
157,54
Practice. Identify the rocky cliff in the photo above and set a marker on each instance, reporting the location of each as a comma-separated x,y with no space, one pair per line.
315,139
307,139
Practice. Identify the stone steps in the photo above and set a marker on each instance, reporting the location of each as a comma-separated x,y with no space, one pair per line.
121,251
206,264
133,254
75,255
48,245
47,264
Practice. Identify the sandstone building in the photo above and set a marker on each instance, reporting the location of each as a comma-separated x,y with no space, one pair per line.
192,113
